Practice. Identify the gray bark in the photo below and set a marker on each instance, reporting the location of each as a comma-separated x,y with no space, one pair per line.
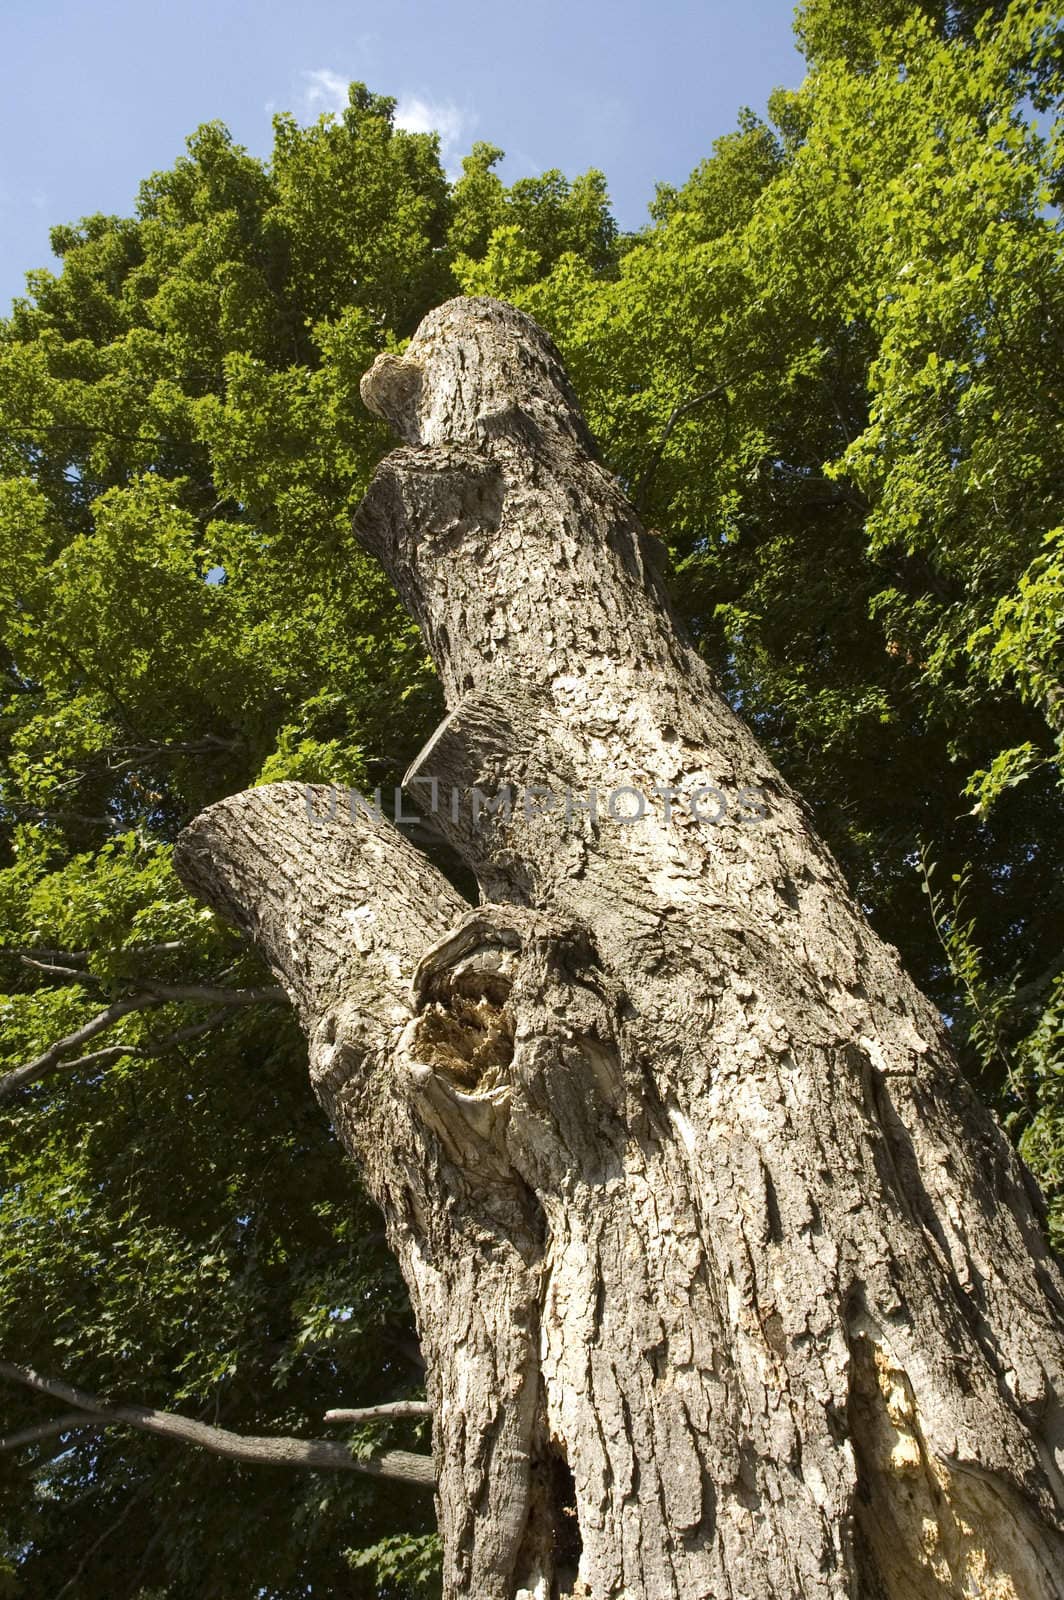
727,1284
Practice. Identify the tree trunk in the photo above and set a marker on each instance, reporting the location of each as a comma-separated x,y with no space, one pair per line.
727,1284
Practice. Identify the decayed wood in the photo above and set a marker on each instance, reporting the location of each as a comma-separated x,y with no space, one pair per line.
727,1284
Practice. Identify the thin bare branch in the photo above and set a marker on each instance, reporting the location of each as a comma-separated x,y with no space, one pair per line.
113,1052
17,1079
267,1450
157,994
684,409
80,957
53,970
46,814
384,1413
48,1430
214,994
39,953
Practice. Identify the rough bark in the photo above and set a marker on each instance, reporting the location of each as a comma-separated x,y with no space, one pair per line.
727,1284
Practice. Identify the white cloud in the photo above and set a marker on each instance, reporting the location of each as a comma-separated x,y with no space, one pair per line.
433,116
325,91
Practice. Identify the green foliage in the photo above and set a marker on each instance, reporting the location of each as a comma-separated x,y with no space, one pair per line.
1023,644
540,220
860,32
828,371
986,1005
1040,1071
408,1561
183,613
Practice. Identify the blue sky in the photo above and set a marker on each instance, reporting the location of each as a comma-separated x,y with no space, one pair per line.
95,94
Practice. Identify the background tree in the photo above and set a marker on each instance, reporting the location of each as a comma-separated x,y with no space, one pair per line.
185,612
828,371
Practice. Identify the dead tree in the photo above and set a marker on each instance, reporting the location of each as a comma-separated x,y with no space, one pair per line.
727,1283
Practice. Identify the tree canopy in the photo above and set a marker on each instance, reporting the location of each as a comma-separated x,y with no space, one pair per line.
828,370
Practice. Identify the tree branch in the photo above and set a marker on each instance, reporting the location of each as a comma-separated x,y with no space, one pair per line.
684,409
47,1430
265,858
385,1413
112,1052
268,1450
214,994
157,994
54,971
79,957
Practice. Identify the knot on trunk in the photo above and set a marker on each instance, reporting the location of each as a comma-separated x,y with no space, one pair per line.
390,390
514,1021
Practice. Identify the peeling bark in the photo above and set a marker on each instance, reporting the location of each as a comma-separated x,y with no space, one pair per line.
727,1284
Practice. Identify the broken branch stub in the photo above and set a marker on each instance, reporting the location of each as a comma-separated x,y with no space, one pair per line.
726,1282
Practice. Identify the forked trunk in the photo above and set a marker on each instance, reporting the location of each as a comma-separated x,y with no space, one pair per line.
727,1284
